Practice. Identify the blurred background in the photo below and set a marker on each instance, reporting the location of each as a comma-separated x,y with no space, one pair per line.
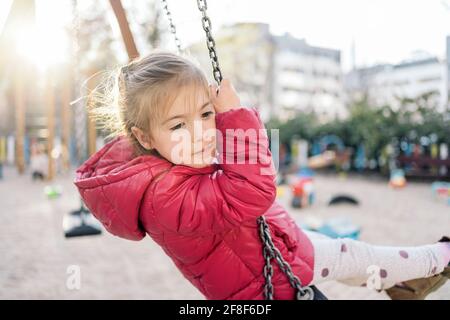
358,91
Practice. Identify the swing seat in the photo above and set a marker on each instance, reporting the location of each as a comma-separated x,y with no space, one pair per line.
343,198
80,223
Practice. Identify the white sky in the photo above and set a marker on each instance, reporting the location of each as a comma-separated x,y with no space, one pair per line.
383,30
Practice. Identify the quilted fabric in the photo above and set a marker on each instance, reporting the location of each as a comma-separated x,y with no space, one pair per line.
205,219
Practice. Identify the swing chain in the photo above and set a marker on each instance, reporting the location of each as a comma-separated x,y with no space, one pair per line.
210,43
172,27
270,252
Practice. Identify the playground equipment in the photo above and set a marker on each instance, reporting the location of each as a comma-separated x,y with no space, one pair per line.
340,227
441,189
270,252
327,144
35,111
360,158
80,223
322,160
303,189
343,198
337,227
426,159
319,159
397,179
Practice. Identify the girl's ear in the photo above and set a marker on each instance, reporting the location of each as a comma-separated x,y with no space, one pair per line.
143,138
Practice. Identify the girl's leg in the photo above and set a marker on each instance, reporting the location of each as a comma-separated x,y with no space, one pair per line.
379,267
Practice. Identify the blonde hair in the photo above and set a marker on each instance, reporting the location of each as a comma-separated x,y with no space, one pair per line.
140,94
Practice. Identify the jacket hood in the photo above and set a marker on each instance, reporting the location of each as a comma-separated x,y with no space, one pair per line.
113,182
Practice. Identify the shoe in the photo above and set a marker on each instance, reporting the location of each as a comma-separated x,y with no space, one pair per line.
446,272
418,289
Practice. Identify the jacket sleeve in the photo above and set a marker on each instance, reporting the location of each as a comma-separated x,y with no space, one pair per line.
242,188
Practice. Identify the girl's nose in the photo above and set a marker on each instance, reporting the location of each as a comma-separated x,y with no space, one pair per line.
197,132
198,147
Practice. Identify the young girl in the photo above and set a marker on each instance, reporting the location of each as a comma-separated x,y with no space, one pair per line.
193,170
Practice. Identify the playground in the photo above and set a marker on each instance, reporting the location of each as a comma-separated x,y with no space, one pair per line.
348,166
37,265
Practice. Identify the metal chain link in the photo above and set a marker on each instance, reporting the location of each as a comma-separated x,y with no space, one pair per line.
81,118
210,43
172,27
270,252
269,249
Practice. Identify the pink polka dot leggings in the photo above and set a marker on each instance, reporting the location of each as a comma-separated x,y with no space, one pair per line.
377,267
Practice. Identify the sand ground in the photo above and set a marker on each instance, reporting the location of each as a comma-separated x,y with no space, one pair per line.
35,256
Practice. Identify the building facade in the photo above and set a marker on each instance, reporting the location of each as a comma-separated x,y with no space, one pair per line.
280,75
395,84
307,78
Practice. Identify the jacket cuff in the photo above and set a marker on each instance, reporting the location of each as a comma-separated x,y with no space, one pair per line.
239,118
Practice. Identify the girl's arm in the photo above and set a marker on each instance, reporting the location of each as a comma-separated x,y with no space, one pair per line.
236,192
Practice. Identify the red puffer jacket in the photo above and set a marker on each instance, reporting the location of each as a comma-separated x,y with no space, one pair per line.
205,219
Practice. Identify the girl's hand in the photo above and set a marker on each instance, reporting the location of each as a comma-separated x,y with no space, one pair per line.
226,98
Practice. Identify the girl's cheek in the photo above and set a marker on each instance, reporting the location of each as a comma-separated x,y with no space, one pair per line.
212,123
211,131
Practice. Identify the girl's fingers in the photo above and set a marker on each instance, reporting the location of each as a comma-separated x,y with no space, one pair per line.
226,85
213,91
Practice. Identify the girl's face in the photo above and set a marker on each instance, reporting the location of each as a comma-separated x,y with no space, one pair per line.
187,134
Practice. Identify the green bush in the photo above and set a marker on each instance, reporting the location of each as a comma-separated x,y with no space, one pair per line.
374,127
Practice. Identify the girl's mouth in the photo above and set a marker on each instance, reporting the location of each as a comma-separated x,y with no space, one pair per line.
205,148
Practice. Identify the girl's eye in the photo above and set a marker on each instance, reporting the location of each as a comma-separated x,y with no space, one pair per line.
178,126
207,114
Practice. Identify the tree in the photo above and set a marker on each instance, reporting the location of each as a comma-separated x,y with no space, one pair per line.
375,128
